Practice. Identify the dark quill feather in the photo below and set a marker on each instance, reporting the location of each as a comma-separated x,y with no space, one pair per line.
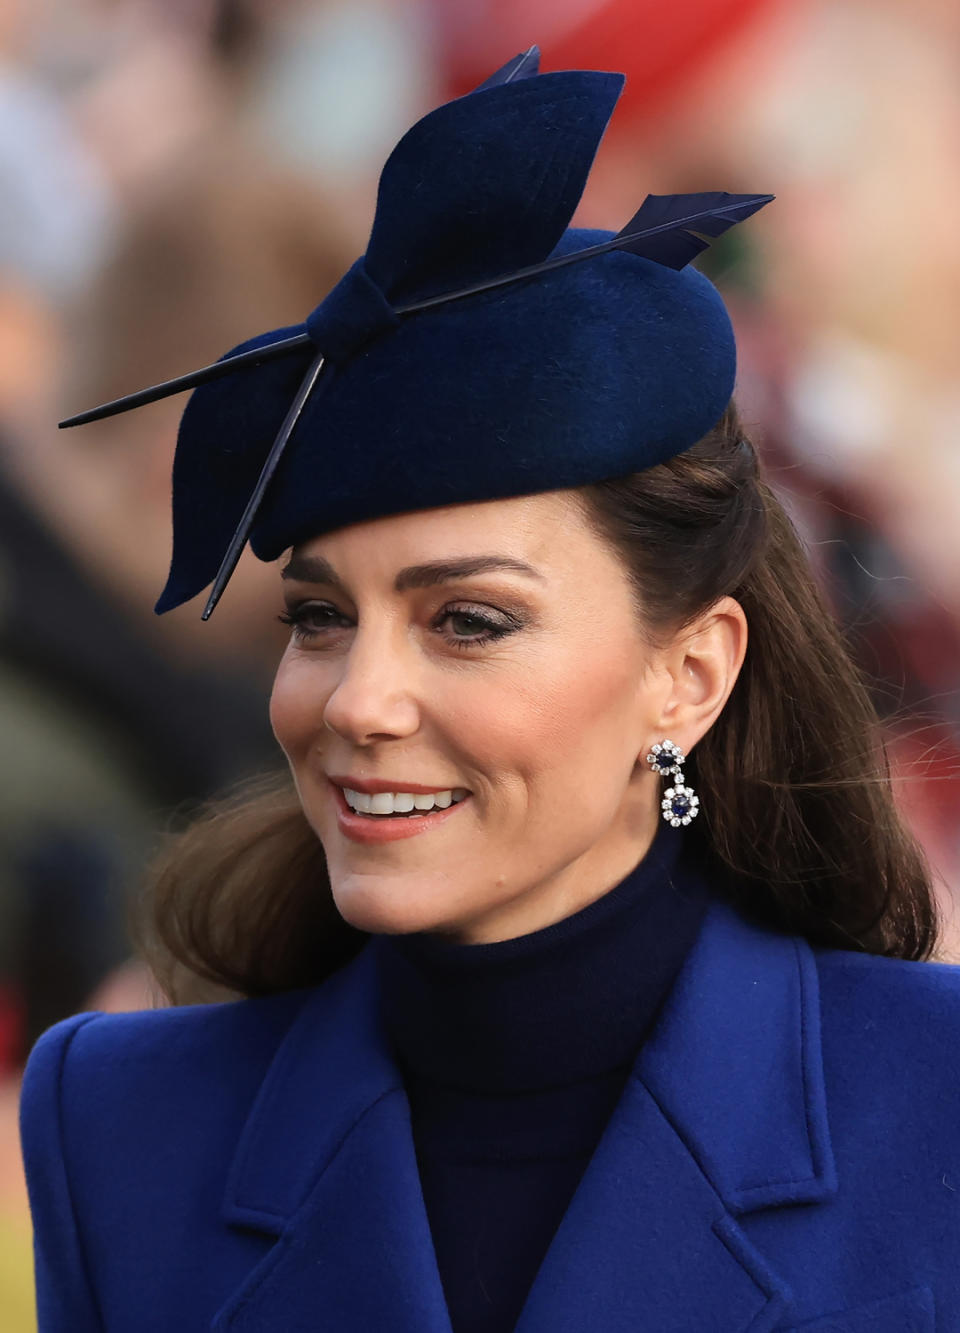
192,380
664,226
239,539
663,229
523,66
668,240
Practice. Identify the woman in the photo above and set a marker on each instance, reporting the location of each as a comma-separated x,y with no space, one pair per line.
587,958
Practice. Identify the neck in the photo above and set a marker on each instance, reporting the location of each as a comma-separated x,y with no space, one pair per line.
565,1002
558,898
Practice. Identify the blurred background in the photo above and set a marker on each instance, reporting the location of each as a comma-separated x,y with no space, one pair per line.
176,175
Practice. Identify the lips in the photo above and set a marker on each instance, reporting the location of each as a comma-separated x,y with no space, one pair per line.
389,828
374,785
390,803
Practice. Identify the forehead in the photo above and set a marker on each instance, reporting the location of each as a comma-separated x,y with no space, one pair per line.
548,529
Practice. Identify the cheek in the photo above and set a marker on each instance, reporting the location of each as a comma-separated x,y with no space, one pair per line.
297,702
589,717
569,731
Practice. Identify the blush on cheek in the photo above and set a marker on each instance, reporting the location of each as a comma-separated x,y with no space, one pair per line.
576,732
279,718
296,711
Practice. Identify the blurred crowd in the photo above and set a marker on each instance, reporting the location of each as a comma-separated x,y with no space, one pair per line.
176,175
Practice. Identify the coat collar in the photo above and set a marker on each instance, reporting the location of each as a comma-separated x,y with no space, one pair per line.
331,1068
724,1114
735,1064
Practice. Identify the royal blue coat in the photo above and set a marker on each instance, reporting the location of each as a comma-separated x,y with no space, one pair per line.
785,1155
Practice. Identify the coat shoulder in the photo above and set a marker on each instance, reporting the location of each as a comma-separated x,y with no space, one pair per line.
114,1090
894,1021
122,1114
134,1054
920,990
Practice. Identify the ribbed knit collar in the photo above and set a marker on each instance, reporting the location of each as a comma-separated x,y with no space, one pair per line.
551,1007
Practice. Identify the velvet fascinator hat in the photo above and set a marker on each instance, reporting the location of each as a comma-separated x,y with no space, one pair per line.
479,349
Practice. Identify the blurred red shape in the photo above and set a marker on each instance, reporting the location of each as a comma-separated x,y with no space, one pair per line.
659,47
11,1030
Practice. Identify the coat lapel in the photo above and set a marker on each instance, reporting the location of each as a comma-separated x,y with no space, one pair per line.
723,1115
647,1243
326,1164
736,1065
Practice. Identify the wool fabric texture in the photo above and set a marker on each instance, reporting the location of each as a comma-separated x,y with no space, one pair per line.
514,1055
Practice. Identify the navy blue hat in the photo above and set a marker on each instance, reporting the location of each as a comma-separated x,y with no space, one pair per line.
479,349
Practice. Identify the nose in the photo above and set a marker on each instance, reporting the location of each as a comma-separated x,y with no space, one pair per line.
375,698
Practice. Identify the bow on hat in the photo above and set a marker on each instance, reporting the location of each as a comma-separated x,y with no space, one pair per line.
469,354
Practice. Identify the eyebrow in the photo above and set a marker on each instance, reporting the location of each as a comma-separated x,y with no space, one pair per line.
315,569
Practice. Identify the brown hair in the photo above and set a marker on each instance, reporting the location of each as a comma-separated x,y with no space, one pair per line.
798,820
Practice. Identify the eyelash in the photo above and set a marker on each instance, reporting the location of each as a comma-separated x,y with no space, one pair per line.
297,619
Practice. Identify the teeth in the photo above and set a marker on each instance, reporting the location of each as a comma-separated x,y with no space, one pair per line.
401,802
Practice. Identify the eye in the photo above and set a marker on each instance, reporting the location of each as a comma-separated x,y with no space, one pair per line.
475,627
309,618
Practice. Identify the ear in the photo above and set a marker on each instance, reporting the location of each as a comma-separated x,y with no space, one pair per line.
702,664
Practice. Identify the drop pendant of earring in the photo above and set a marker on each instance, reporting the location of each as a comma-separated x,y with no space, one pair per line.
680,804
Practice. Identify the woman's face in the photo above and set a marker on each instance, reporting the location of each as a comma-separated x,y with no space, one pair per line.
526,684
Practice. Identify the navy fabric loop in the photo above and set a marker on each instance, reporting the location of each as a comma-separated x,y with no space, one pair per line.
351,316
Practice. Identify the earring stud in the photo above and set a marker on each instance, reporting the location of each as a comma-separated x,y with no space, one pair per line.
666,758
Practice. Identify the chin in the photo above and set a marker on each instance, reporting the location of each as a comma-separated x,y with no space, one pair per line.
381,905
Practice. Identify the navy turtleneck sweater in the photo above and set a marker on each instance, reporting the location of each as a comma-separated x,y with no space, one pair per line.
514,1055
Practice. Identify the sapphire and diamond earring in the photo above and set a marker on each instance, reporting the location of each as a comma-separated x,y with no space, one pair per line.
679,804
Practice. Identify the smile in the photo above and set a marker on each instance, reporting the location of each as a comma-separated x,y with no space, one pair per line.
387,803
393,815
